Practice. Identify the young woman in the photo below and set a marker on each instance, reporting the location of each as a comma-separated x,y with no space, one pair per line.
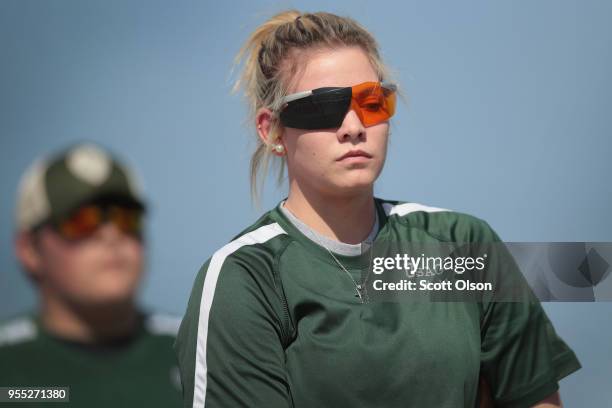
280,317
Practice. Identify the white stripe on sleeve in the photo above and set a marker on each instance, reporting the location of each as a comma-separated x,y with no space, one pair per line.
258,236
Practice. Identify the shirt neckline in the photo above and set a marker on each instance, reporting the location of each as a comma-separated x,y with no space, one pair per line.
335,246
356,262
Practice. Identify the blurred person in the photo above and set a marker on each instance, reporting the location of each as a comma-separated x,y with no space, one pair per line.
280,317
79,222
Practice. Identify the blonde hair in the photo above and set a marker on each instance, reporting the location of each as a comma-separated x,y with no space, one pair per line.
270,60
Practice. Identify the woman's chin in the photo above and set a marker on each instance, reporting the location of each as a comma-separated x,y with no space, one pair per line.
351,188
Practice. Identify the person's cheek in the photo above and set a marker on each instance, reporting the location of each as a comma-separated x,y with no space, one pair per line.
381,139
308,158
72,272
134,255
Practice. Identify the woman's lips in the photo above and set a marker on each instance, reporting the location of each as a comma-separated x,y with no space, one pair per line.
355,156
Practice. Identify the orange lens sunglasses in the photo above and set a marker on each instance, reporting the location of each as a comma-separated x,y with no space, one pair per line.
323,108
85,220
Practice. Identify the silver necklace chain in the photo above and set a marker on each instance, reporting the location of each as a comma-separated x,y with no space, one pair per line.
360,287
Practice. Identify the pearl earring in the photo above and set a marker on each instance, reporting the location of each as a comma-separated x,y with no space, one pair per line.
279,148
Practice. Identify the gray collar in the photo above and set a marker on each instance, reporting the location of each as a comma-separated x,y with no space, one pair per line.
337,247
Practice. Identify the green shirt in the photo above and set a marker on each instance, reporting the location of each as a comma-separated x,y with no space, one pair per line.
136,371
274,322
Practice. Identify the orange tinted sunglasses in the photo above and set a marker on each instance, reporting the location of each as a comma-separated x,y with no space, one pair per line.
84,221
322,108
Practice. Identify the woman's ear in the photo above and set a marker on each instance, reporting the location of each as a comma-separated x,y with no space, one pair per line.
264,122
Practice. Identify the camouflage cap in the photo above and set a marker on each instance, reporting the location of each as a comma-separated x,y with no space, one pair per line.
55,186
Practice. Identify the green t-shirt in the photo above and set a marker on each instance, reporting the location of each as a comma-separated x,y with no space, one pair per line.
274,322
135,371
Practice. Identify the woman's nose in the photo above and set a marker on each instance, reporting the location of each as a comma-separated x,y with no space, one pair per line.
351,129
